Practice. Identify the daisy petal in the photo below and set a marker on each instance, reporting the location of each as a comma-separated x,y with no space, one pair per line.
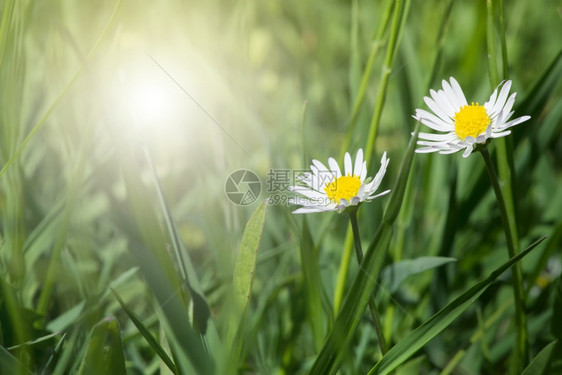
501,98
425,150
457,88
433,121
467,152
363,172
358,163
437,137
445,116
517,121
378,195
492,101
309,193
321,167
311,209
500,134
446,103
451,94
334,167
347,164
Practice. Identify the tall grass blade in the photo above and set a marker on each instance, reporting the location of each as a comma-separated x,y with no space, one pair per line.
201,310
541,363
364,283
158,270
431,328
312,284
242,280
151,340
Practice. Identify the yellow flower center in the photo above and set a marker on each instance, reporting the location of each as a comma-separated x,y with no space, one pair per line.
345,187
472,120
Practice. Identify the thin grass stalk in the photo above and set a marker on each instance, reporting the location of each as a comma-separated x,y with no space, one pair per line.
403,215
377,43
343,270
520,344
358,103
519,357
7,15
372,306
397,25
400,10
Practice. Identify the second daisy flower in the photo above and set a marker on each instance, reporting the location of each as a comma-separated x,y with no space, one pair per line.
464,126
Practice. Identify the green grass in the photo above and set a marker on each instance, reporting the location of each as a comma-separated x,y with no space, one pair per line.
120,251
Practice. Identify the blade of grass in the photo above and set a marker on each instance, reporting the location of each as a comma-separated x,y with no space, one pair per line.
438,322
53,270
10,364
541,363
201,310
393,275
400,12
512,248
359,99
364,283
56,351
242,281
375,316
505,171
154,344
312,284
158,269
399,20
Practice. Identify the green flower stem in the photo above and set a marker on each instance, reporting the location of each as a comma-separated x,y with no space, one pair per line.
517,278
400,11
372,307
495,13
342,271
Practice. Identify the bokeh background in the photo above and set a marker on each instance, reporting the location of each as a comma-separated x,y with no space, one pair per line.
88,88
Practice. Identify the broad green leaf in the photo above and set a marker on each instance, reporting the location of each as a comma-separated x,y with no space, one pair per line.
242,280
10,364
393,275
245,264
539,365
67,318
104,354
147,335
356,301
431,328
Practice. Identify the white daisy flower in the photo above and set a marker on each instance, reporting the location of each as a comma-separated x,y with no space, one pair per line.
465,126
328,190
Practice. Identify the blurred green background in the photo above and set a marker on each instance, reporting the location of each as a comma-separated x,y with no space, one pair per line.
210,87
